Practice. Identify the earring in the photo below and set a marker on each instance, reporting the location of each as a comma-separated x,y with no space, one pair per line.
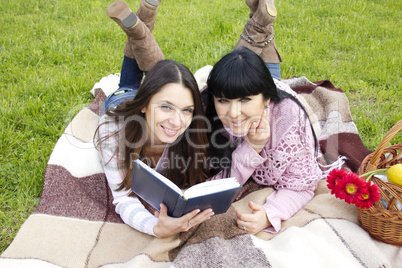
267,103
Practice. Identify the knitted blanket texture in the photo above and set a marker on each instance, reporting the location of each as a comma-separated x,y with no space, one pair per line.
75,224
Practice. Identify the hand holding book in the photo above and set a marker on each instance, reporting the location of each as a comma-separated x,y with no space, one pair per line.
168,226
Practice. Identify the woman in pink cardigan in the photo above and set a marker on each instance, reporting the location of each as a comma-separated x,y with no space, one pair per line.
260,131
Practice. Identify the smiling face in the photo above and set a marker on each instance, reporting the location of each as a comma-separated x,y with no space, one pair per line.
239,114
169,113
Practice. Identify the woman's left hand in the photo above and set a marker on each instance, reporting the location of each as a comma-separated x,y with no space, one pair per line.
254,222
259,134
168,226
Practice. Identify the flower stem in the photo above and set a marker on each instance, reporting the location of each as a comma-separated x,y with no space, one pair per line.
369,174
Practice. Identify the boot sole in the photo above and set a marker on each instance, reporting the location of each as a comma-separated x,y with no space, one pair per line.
153,4
271,9
119,10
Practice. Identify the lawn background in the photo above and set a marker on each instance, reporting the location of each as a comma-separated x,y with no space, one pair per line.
52,53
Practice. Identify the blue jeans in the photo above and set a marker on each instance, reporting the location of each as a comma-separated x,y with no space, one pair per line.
130,81
274,69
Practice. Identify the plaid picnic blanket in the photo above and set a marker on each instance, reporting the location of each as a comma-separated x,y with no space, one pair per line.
75,224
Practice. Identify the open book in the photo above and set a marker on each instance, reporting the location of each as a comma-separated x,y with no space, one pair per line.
155,188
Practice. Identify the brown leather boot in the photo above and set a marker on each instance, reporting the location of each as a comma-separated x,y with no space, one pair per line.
140,44
270,6
258,33
253,5
265,12
147,12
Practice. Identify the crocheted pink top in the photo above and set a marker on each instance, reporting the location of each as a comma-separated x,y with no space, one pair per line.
287,162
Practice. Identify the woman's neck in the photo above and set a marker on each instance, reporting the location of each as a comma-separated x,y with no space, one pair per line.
153,153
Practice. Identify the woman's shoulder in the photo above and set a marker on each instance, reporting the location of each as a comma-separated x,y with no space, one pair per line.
284,87
287,106
107,125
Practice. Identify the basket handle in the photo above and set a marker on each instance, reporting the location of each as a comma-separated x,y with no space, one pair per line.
372,164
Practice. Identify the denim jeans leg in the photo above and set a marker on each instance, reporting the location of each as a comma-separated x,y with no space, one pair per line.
130,75
130,81
117,97
274,69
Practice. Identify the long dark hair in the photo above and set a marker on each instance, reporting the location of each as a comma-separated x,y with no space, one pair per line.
191,169
238,74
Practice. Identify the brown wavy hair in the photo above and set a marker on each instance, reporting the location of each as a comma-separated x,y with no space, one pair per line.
131,136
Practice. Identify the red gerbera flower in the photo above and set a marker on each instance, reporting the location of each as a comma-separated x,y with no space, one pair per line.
333,177
350,188
372,196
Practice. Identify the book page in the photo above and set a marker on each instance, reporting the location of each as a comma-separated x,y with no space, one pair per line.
165,180
210,187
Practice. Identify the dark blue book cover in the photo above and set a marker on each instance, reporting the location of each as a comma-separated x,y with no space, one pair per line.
155,188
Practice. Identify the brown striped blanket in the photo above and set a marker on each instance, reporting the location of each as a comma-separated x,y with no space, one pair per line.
75,224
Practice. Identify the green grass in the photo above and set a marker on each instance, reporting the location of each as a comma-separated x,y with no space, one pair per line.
52,53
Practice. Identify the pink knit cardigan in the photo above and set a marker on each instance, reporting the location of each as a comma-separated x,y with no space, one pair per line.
287,162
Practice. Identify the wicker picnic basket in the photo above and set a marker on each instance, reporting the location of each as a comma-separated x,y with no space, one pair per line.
384,223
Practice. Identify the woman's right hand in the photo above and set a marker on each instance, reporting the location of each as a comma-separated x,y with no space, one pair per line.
259,134
168,226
